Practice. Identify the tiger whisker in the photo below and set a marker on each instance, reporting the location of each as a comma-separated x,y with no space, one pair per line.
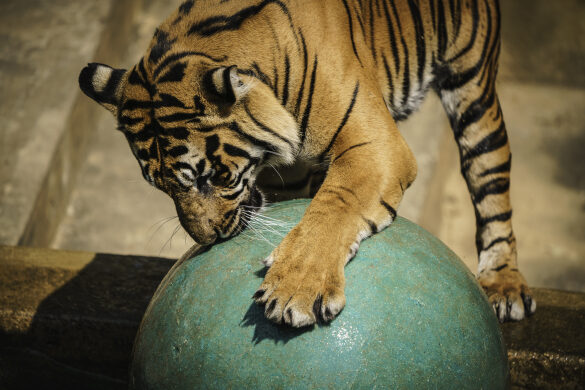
278,173
267,220
169,241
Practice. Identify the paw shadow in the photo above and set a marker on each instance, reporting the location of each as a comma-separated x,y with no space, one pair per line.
261,273
264,329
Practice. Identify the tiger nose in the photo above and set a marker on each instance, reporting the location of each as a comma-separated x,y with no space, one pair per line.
201,231
199,226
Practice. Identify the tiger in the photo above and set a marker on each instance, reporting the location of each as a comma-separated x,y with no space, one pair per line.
227,88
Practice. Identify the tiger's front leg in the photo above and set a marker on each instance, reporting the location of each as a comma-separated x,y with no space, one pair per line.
370,166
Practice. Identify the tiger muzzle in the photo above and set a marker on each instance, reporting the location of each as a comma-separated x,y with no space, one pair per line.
198,224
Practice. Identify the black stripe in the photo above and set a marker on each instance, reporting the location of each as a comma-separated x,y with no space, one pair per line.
474,112
217,24
420,40
286,80
452,10
182,165
178,151
135,78
168,101
358,14
230,224
108,94
234,151
266,129
162,46
307,113
233,126
406,79
492,56
433,15
442,35
128,121
489,143
456,17
200,166
474,28
390,209
229,93
343,121
494,187
371,224
348,149
336,194
351,31
499,268
132,104
372,34
462,78
496,241
502,217
177,56
305,68
150,88
233,195
406,73
175,74
504,167
211,146
393,44
150,130
348,190
177,132
275,73
390,81
260,75
143,154
185,8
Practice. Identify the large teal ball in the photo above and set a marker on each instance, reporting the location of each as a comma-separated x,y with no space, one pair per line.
415,318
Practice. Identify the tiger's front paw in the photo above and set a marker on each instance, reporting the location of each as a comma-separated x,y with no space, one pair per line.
301,288
508,293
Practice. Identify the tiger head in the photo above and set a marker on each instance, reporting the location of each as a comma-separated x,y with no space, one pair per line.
201,131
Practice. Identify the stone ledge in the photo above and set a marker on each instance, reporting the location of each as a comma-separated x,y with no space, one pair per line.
69,318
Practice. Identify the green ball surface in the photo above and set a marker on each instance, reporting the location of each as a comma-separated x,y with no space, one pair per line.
414,318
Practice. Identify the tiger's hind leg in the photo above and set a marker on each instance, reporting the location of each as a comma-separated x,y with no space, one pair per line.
485,160
466,84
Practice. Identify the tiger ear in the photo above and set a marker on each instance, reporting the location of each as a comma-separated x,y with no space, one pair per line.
225,85
102,83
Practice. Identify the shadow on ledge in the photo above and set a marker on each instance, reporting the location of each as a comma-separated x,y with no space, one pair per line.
68,327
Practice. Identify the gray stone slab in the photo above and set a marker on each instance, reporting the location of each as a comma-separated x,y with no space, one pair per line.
43,44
